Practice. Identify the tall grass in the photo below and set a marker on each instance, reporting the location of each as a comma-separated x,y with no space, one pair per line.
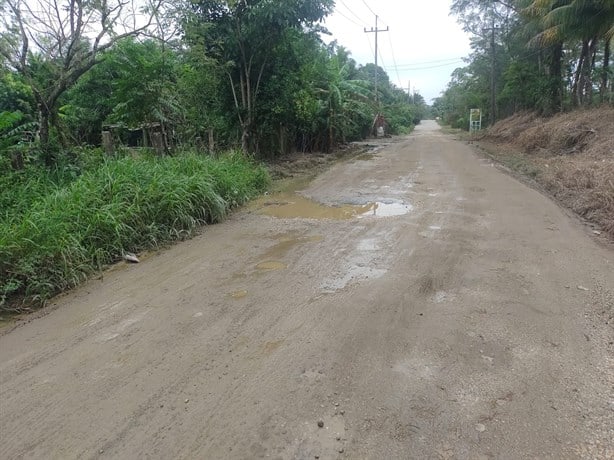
125,205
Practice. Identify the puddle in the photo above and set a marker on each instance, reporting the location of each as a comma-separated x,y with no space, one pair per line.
238,294
271,265
288,242
289,206
387,210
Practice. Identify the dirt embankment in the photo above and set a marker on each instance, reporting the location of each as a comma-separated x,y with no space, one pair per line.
571,155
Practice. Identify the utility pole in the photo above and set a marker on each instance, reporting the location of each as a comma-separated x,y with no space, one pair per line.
376,31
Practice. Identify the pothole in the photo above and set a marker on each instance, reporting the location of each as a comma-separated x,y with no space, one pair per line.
289,206
379,209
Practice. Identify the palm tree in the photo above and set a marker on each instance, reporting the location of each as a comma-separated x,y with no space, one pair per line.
588,21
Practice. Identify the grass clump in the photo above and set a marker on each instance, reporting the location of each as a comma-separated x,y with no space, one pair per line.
59,238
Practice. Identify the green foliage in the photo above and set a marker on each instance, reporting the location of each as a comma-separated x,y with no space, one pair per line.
142,87
64,232
16,95
548,56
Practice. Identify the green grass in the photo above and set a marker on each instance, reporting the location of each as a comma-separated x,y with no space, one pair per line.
65,232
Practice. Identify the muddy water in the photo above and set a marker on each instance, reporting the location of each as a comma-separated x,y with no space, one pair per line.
271,265
239,294
292,205
287,202
288,241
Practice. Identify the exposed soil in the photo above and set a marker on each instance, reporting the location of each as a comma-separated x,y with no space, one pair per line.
570,155
470,323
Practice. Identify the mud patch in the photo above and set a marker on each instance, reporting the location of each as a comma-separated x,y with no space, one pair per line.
238,294
287,242
271,265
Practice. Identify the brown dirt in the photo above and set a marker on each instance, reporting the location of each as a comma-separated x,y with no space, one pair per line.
468,324
571,155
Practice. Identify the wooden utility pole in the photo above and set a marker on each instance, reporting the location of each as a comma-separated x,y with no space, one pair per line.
376,31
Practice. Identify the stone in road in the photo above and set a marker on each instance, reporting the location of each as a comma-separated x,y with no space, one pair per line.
452,327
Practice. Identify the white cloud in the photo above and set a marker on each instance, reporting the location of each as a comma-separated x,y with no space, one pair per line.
423,45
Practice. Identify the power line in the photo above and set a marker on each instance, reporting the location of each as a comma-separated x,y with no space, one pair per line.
349,19
367,5
437,61
396,67
352,12
412,68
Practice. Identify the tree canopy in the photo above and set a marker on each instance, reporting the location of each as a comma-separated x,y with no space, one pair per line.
543,55
207,74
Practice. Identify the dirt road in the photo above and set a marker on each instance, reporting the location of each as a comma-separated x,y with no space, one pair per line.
444,311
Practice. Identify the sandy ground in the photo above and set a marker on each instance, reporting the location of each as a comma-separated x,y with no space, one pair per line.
442,310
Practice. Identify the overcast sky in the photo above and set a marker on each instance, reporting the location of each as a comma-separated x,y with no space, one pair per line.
424,43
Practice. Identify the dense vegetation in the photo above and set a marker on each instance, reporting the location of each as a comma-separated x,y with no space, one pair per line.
110,134
545,56
56,230
208,74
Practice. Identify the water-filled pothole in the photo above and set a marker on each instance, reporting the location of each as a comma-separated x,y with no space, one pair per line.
380,209
297,206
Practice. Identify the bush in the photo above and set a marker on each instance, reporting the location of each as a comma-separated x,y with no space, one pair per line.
125,205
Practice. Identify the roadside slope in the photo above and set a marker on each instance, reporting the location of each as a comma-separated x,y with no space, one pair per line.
570,155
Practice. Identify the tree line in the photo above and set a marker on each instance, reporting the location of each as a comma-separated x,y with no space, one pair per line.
253,74
539,55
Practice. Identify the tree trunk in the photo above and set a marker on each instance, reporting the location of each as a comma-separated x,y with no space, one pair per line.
43,134
603,90
578,82
211,141
589,66
245,136
556,82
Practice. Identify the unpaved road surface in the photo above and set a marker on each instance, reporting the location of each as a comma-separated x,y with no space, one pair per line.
464,316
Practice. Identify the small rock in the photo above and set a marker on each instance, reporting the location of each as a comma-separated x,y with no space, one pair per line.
187,401
341,450
596,232
480,427
342,412
320,423
338,438
129,257
582,288
101,451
